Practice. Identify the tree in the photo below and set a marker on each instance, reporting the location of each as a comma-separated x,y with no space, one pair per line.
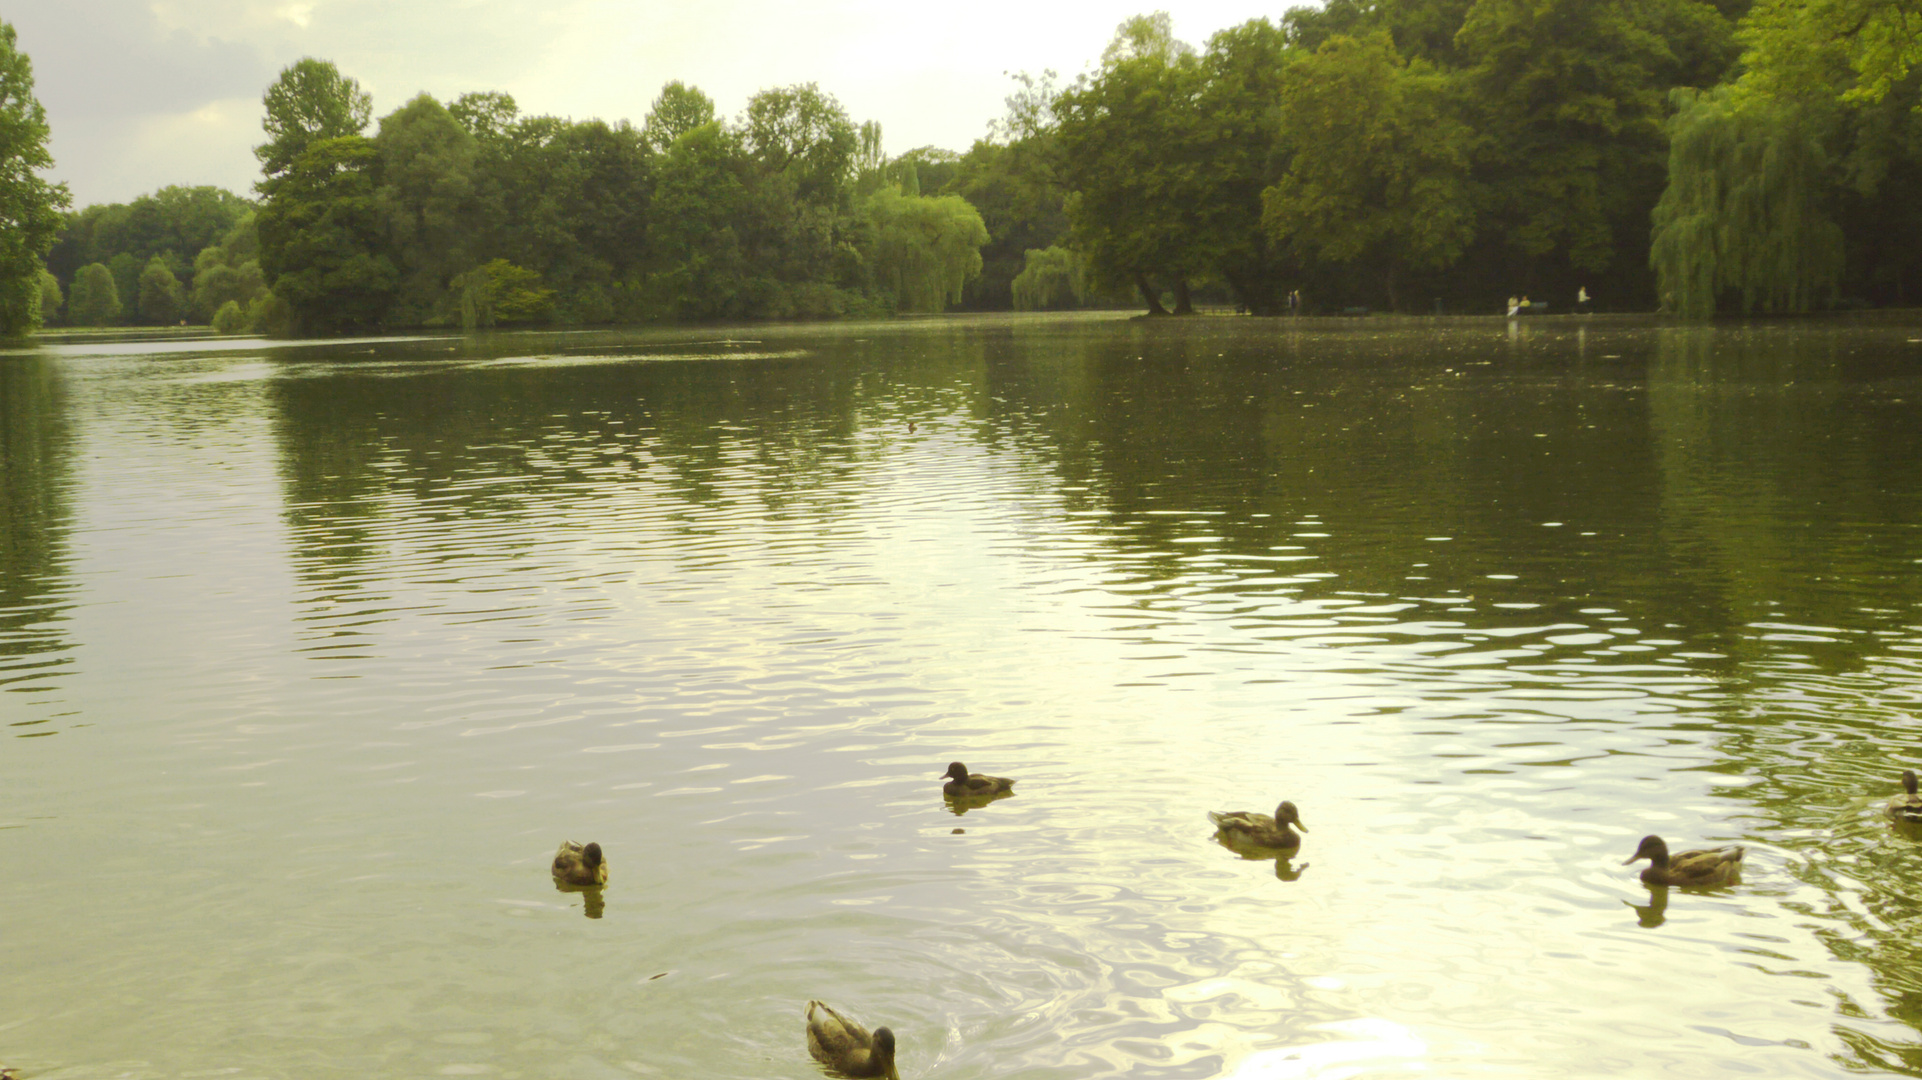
175,221
309,103
1379,164
228,272
1859,49
320,239
1130,151
804,134
485,115
501,292
94,299
50,298
1053,278
29,205
427,200
1572,95
1746,208
321,227
924,249
678,110
162,301
705,207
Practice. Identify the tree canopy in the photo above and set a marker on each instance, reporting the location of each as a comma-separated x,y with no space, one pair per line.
29,203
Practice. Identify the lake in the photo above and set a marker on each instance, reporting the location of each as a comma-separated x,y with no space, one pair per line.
311,654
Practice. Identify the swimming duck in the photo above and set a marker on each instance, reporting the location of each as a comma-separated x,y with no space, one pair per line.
1250,829
577,865
1906,807
846,1047
963,784
1717,866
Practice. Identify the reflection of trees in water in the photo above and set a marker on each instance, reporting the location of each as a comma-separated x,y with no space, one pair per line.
1737,483
534,450
35,523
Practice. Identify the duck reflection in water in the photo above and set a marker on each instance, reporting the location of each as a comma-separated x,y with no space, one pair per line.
1653,913
593,903
1285,869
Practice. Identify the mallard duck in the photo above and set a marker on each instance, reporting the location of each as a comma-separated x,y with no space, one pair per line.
1718,866
846,1047
1249,829
1906,807
963,784
577,865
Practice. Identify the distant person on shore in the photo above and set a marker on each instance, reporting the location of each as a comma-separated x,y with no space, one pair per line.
1514,307
1581,299
1524,307
1294,302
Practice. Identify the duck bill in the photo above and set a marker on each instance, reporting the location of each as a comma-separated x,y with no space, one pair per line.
1632,858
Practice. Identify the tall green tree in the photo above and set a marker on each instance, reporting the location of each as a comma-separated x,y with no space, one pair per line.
321,234
29,204
1379,165
94,299
677,110
1129,152
428,201
803,134
1572,95
321,228
310,102
706,213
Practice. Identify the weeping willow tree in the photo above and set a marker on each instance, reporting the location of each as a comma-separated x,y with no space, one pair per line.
1743,210
1052,278
924,249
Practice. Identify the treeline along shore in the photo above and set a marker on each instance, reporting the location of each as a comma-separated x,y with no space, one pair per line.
1684,156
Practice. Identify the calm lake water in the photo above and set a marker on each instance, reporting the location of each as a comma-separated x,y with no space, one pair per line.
310,656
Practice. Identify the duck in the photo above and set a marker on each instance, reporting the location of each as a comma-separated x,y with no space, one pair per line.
1707,868
1250,829
1906,807
577,865
846,1047
963,784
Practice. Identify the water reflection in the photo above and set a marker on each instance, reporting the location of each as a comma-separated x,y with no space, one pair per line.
1494,607
593,898
35,538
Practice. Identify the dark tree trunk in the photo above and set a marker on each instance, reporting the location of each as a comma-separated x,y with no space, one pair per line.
1184,304
1150,295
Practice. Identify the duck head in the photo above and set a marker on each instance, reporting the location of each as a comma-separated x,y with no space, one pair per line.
957,771
591,855
1652,848
1286,814
1908,781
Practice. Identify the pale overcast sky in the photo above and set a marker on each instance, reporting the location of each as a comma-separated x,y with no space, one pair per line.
146,93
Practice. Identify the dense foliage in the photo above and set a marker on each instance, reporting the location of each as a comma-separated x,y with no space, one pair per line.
1420,155
471,214
29,205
